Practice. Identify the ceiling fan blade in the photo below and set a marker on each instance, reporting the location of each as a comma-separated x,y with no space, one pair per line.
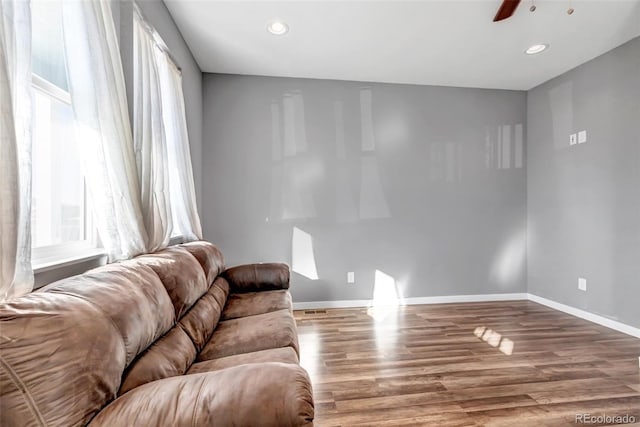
506,9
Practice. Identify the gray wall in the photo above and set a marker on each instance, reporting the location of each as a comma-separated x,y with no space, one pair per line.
584,200
425,184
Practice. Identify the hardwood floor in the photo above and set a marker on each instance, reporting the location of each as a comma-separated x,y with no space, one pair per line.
512,363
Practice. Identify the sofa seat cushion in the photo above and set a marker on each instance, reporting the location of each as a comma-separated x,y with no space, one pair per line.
252,303
250,334
280,355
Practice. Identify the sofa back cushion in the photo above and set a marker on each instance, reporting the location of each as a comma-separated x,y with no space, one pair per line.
61,359
175,352
209,257
203,317
171,355
197,307
131,295
180,273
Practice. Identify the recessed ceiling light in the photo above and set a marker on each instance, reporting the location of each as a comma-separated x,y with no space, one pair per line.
278,28
536,48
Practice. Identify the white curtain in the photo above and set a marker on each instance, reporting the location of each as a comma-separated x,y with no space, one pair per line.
161,130
16,275
104,136
149,138
183,191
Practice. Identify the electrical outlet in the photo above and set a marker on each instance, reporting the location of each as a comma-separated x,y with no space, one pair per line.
573,140
582,137
582,284
351,277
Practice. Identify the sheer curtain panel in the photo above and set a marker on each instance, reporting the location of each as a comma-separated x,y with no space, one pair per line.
16,275
149,138
98,95
183,192
162,142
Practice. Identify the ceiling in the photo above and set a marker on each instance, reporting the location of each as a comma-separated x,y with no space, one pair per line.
429,42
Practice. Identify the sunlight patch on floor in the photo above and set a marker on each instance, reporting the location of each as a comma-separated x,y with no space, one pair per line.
494,339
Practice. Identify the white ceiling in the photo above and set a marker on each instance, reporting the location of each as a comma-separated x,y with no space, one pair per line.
444,42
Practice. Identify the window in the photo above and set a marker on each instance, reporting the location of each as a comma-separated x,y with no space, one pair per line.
60,221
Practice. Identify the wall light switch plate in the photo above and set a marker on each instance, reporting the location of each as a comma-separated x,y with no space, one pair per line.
582,137
582,284
351,277
573,139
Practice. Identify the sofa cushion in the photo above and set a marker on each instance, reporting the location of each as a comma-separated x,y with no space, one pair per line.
253,333
203,317
180,273
252,303
171,355
266,395
62,360
209,257
129,294
280,355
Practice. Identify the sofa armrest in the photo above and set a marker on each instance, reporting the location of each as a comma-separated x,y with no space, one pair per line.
260,394
257,277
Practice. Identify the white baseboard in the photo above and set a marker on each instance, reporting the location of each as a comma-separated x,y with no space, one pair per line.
410,301
350,303
466,298
595,318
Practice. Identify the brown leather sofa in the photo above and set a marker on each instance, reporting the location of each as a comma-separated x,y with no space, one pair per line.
165,339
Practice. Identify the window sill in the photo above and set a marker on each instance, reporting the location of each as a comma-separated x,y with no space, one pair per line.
77,257
41,266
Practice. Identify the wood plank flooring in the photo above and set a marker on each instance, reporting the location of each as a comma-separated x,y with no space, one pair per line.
511,363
